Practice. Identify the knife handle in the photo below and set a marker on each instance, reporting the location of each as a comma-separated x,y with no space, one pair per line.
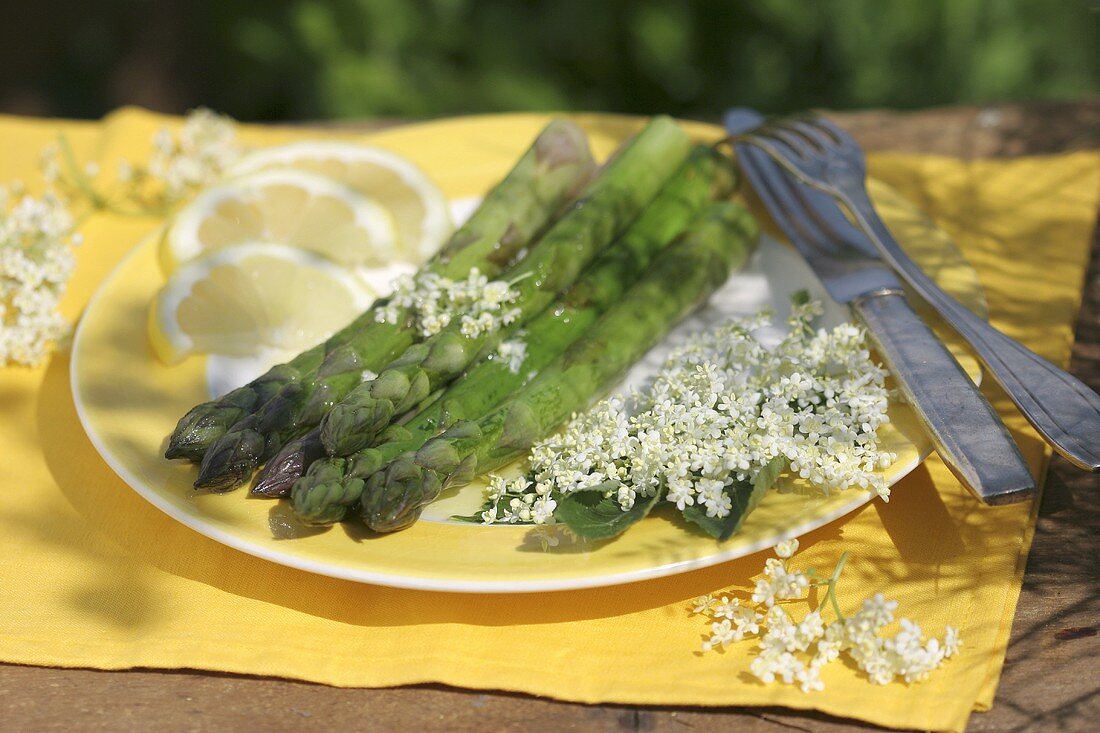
1061,408
967,433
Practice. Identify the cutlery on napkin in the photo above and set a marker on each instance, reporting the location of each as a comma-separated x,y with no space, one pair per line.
967,433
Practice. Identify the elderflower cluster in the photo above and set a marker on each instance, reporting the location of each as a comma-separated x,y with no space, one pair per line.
432,302
37,237
36,261
797,651
206,145
179,165
723,408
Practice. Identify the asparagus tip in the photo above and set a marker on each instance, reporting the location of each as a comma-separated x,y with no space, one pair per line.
395,496
230,461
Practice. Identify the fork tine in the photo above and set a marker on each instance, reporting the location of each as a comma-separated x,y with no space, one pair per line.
831,226
844,140
823,140
839,133
788,144
820,220
777,191
757,167
802,168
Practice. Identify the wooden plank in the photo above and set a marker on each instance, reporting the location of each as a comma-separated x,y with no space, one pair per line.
1049,682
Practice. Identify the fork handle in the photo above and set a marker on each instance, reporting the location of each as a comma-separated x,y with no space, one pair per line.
967,432
1064,410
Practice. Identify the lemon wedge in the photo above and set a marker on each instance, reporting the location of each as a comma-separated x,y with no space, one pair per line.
418,207
290,207
241,300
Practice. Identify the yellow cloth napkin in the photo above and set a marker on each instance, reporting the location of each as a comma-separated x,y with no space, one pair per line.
94,576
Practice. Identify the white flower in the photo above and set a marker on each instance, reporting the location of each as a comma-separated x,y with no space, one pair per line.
703,604
809,629
542,510
726,607
809,678
764,592
786,548
431,302
795,652
722,635
744,619
512,353
206,146
772,665
778,584
877,611
951,642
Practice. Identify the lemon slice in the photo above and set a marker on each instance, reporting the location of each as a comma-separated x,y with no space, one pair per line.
290,207
418,206
241,300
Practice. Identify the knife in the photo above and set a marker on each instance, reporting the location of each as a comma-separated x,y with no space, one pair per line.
967,433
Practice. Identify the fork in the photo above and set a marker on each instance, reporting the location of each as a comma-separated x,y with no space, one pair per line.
1061,408
964,428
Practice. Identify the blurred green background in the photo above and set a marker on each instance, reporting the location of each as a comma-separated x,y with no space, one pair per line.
321,59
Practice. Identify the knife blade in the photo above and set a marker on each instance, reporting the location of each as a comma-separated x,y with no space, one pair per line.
966,431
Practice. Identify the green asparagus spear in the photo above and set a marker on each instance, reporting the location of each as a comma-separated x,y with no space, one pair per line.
512,215
333,484
548,175
607,206
677,281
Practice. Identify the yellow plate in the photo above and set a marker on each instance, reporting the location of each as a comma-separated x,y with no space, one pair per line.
128,402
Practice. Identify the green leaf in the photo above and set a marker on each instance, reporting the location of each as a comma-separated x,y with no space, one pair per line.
768,476
744,497
469,518
595,517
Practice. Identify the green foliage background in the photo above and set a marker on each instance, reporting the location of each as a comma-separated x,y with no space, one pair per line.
344,58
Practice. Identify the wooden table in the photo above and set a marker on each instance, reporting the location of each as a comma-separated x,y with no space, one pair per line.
1050,679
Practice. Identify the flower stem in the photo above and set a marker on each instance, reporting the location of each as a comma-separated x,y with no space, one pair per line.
830,595
79,179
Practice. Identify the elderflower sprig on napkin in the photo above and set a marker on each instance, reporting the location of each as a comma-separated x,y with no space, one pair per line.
180,164
36,261
38,234
796,652
723,419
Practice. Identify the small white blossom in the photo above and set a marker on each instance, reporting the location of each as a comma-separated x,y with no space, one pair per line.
744,619
703,604
951,642
512,353
431,302
778,584
723,634
786,548
542,510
